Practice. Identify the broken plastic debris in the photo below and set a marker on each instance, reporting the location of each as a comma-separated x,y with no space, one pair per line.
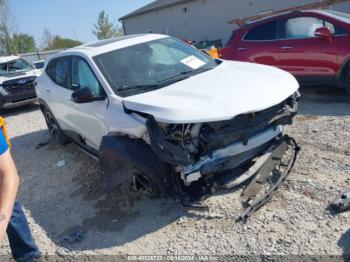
61,163
342,202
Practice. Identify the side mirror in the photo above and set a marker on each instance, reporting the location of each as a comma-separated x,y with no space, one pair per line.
324,32
84,95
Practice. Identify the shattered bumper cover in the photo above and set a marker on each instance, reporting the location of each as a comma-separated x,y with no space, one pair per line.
270,173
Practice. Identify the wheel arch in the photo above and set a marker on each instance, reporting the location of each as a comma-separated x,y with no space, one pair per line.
43,104
119,151
343,70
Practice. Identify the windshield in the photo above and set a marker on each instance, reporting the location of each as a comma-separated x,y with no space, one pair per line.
151,65
15,66
344,16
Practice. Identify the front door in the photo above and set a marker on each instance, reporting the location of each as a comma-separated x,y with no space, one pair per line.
89,117
303,54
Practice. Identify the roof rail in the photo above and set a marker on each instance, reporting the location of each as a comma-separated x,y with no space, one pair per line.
320,4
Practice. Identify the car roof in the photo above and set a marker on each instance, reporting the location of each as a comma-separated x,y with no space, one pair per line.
107,45
5,59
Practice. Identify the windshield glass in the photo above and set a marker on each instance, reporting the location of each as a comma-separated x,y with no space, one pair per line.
345,17
151,65
15,66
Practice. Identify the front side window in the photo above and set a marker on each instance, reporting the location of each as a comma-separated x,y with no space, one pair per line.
264,32
151,65
305,27
15,66
82,76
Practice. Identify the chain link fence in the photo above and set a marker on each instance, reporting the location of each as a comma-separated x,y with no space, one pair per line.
39,55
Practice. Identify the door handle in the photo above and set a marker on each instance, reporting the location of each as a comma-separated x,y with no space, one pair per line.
47,91
241,48
286,47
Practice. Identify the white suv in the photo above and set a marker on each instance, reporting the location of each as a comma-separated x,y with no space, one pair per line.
17,77
157,106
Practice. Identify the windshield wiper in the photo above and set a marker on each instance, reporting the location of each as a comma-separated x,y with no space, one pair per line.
185,73
139,87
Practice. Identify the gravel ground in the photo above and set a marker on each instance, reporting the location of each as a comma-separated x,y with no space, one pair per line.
60,200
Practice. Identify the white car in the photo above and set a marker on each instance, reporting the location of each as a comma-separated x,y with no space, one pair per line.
17,78
155,105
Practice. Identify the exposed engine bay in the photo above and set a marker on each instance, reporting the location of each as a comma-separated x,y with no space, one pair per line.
187,144
221,154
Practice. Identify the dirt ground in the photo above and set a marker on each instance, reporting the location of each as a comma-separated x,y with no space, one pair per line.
69,215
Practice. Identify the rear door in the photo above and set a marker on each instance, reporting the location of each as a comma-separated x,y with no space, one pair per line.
59,92
260,45
306,56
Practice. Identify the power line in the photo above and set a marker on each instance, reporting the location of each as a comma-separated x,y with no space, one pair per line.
55,15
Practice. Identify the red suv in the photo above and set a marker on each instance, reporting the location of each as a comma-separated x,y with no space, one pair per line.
312,45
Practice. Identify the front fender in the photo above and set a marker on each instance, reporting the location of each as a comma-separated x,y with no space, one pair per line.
119,155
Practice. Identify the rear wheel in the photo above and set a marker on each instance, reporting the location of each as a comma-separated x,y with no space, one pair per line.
347,81
53,127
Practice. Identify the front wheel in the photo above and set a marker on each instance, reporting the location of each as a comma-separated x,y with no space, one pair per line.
148,185
53,127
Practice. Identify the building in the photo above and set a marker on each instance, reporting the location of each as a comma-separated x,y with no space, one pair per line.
203,20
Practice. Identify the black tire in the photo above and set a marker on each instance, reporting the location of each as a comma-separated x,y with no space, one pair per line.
53,127
149,185
347,81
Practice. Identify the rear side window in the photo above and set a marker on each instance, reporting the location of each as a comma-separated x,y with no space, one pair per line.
266,31
59,71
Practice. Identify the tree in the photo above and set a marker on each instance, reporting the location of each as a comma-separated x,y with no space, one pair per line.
46,39
50,42
5,28
106,29
23,43
63,43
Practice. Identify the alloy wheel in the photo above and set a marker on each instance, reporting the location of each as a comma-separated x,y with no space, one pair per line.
51,123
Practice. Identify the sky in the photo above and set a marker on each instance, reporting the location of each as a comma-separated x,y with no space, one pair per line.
67,18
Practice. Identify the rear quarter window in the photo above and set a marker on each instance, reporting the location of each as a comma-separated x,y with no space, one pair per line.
59,71
232,37
263,32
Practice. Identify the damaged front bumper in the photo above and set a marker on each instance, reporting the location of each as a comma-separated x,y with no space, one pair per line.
270,174
211,148
230,156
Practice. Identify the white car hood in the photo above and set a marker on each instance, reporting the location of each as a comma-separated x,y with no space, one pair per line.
19,75
230,89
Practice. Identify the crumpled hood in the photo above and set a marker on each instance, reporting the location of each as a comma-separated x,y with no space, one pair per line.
230,89
19,75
